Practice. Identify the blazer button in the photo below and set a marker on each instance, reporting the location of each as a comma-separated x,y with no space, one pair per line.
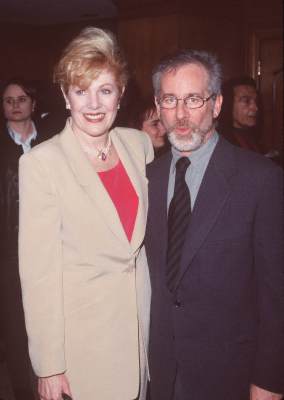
177,304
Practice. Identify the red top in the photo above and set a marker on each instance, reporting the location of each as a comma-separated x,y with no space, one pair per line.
123,195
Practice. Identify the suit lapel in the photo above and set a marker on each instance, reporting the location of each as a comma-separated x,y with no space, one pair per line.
89,180
212,195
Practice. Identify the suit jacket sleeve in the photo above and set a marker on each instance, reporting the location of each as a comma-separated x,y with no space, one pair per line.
40,267
268,244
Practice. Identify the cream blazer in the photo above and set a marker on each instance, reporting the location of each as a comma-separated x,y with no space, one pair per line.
86,288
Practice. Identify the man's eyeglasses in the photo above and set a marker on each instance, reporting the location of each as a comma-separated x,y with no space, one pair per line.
191,102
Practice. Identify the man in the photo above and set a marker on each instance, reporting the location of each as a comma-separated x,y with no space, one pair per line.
17,136
214,247
240,113
245,106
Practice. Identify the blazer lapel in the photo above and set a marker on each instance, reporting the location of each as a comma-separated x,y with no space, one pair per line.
212,195
89,180
158,193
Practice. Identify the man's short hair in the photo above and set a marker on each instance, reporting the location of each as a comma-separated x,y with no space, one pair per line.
244,80
184,57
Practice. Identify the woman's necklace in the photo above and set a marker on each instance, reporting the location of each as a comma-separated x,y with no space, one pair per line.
100,153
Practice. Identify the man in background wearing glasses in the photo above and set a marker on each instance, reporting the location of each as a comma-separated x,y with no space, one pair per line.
214,247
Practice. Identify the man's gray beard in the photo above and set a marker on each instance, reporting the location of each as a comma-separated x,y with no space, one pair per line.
191,142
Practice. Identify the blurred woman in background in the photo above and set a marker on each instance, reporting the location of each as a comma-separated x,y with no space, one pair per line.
18,133
149,122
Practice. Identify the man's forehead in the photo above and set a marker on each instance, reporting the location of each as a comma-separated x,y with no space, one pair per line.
187,75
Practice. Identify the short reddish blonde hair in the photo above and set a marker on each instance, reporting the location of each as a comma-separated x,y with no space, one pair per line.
92,51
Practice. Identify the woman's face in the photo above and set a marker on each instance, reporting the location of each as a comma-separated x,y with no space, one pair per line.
17,105
154,128
94,109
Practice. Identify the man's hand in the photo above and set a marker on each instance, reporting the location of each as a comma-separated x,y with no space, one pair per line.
52,387
256,393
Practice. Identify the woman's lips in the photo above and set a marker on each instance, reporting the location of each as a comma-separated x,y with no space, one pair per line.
94,117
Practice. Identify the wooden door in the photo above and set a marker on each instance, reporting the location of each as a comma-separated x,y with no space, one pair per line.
266,66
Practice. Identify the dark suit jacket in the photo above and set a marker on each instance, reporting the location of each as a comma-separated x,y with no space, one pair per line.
9,159
223,326
12,325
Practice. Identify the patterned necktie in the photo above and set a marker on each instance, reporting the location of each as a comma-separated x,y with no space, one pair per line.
178,219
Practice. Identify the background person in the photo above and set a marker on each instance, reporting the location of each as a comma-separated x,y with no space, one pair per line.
18,133
83,206
240,117
214,245
149,122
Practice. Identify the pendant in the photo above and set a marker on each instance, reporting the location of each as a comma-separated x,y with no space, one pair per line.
101,154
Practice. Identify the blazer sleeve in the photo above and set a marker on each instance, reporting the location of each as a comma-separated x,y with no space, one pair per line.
40,266
269,267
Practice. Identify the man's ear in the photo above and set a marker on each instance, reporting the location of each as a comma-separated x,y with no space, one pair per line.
217,105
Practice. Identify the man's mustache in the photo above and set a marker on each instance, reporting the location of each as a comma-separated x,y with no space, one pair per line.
184,123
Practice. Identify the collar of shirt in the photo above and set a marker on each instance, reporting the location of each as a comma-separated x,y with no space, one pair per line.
16,137
199,160
199,156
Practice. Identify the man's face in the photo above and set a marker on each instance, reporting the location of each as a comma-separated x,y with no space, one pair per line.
244,106
188,128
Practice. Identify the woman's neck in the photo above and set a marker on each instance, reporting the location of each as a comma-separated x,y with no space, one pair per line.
92,141
23,128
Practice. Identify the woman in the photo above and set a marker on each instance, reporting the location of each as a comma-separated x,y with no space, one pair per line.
18,133
150,123
18,99
83,205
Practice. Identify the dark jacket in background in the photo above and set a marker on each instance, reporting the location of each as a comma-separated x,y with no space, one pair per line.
12,324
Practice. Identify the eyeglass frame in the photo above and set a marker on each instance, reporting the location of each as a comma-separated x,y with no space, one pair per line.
177,99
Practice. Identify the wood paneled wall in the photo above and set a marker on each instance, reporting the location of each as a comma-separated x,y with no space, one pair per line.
147,30
145,40
222,27
32,51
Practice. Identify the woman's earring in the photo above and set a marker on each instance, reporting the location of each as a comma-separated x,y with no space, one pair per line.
68,106
118,106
